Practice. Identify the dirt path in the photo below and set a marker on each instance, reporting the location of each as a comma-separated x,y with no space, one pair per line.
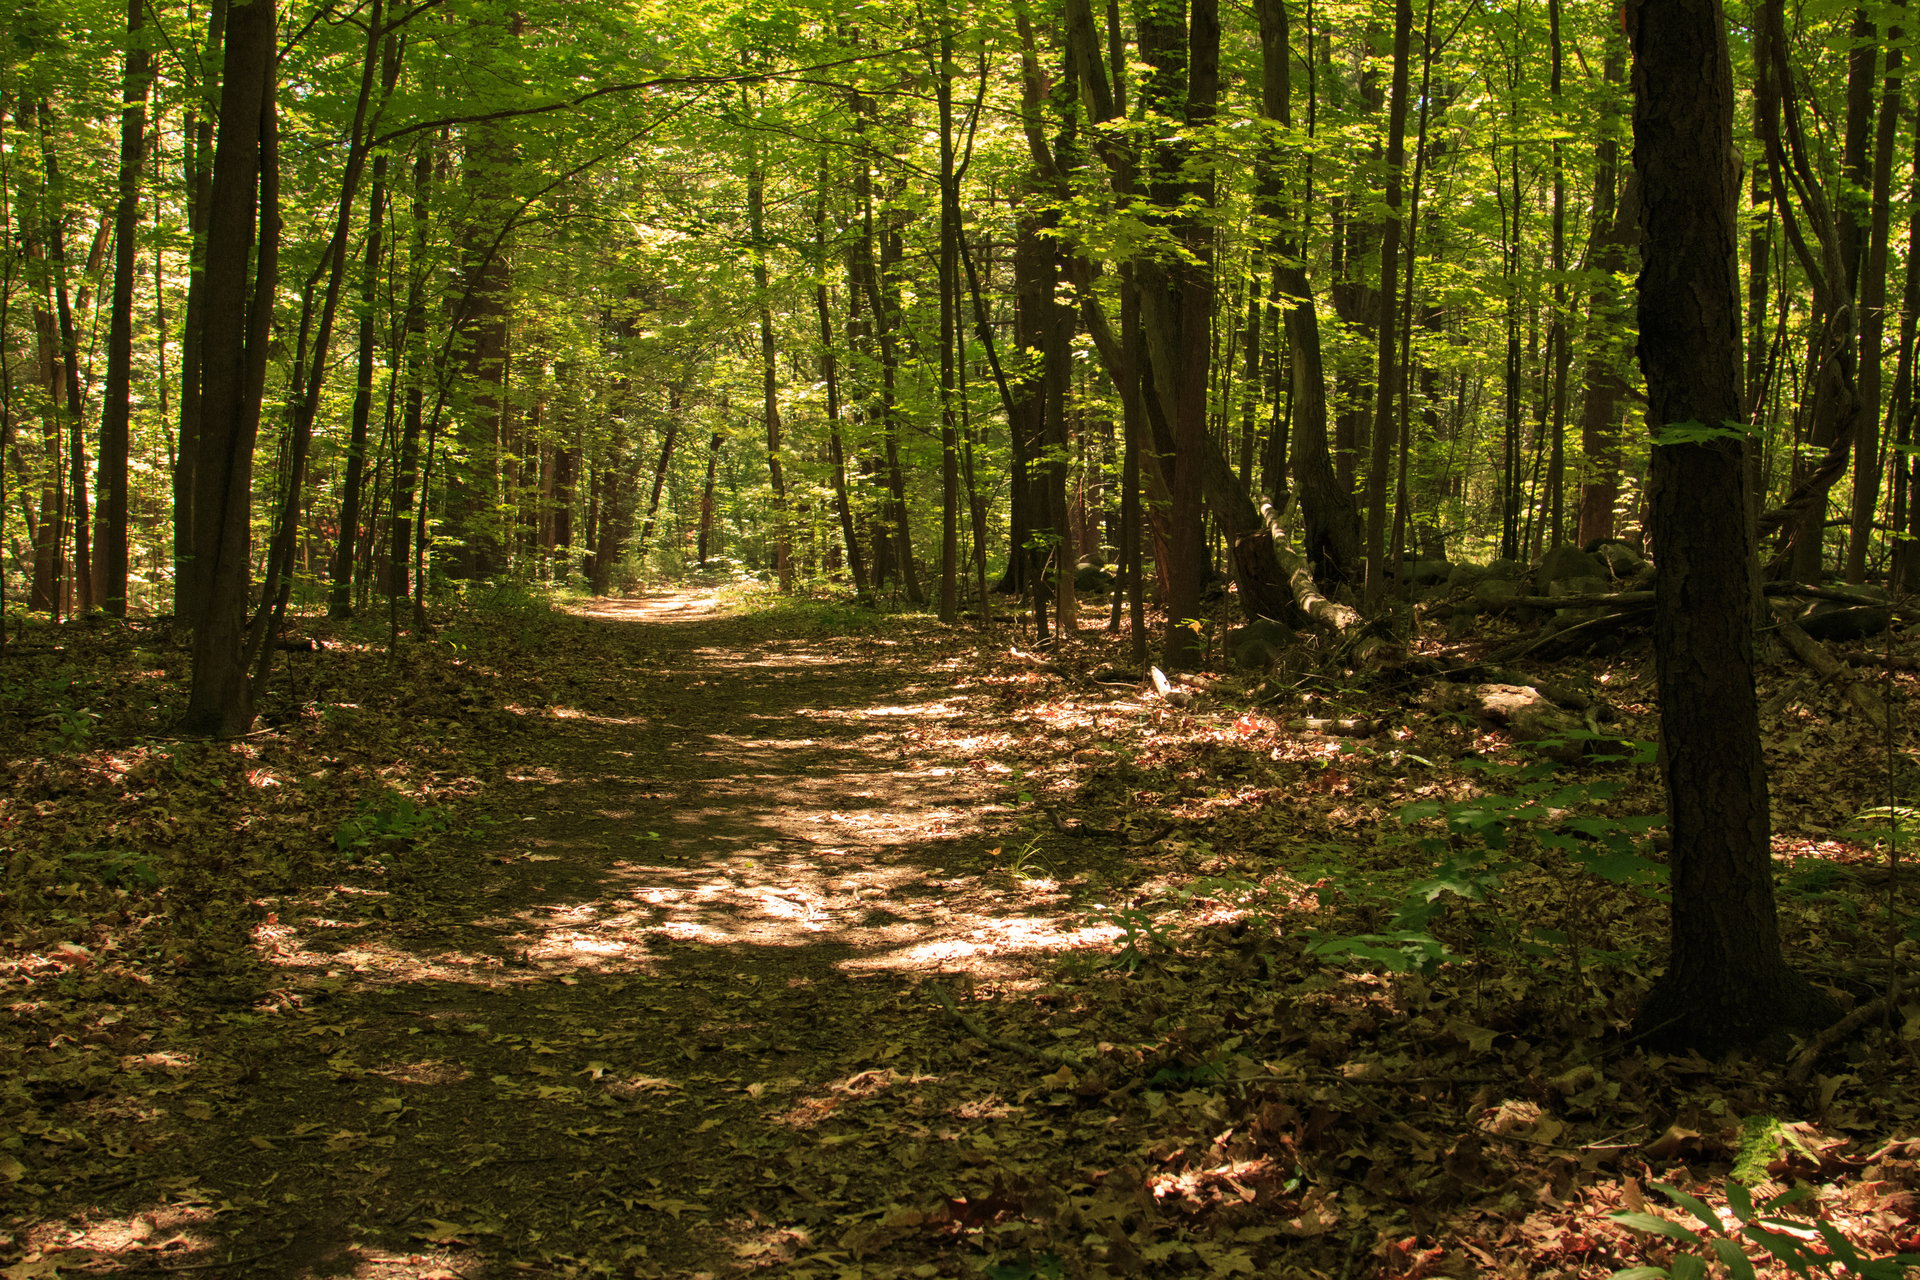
661,1019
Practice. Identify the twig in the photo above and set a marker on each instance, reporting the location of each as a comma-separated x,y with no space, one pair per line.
282,1247
978,1030
1862,1014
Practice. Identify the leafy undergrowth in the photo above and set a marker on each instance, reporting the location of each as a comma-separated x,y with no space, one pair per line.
1303,1004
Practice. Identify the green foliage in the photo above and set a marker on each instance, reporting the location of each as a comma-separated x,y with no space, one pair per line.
1138,930
1526,810
385,822
1804,1245
114,867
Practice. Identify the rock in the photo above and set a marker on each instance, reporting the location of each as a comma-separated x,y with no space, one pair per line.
1566,562
1496,595
1837,620
1579,587
1261,644
1529,718
1092,578
1507,570
1463,577
1425,573
1621,560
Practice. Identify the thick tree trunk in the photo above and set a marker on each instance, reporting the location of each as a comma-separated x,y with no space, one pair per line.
1873,319
1726,985
243,232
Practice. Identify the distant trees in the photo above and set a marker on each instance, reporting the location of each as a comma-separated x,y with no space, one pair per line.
979,293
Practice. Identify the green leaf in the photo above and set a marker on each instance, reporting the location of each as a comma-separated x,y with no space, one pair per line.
1789,1251
1640,1273
1688,1267
1733,1259
1675,433
1707,1217
1656,1226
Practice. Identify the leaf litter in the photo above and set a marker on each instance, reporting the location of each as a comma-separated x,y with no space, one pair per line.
661,938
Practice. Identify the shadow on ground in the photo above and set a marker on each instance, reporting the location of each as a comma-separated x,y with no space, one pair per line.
659,1018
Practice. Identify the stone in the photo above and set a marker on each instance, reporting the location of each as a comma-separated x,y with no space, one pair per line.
1260,645
1829,620
1464,576
1507,570
1565,562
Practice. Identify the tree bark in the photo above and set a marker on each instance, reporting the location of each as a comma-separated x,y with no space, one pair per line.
243,232
1727,984
116,406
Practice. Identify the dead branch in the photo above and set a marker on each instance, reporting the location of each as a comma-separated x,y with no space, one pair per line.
1815,655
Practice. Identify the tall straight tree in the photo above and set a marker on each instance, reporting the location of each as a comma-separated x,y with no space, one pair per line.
116,406
241,271
1727,985
1387,381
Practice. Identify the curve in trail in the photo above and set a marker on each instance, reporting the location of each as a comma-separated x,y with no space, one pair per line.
660,1018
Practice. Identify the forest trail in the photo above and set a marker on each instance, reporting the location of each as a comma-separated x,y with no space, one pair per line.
661,1018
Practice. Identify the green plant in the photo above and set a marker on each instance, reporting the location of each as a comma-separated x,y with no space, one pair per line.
116,867
71,726
1137,929
1804,1245
1528,807
1019,866
386,820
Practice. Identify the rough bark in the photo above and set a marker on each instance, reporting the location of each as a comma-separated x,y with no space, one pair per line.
1727,984
242,267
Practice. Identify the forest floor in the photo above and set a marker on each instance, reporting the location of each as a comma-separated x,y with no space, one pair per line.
666,937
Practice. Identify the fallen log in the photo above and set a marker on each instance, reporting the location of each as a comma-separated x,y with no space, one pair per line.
1824,664
1328,615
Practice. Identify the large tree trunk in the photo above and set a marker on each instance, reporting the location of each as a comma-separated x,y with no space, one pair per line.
1873,320
1727,984
1616,226
243,217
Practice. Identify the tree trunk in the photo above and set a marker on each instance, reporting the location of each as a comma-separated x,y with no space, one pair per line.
115,407
706,496
406,502
1873,318
1727,984
243,231
769,376
187,578
830,377
1387,370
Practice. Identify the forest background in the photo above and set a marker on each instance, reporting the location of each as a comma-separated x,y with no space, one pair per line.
893,295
